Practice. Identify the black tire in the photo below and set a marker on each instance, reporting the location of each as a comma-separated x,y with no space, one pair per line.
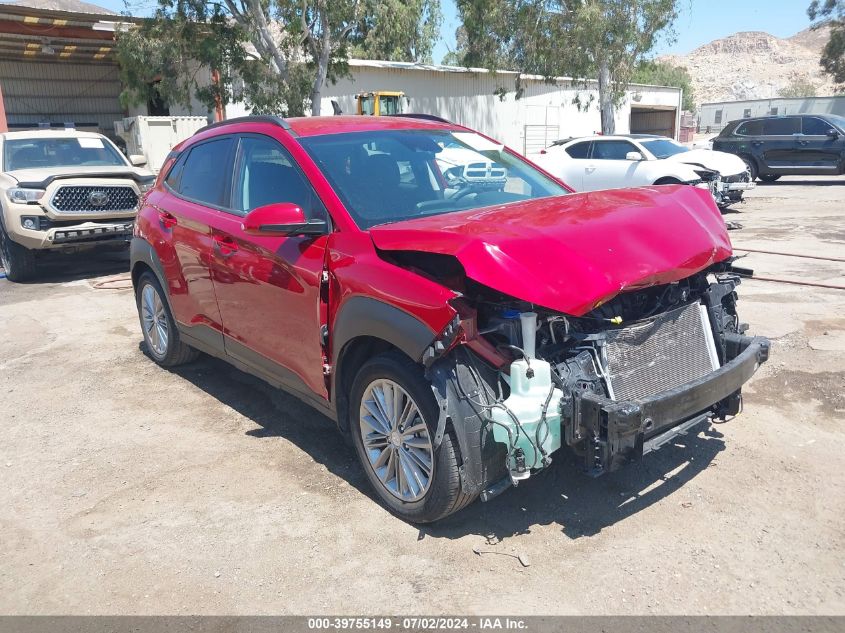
668,181
443,496
18,261
173,352
769,177
751,164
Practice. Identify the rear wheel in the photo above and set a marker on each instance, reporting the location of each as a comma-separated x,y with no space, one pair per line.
393,419
751,166
769,177
161,336
18,262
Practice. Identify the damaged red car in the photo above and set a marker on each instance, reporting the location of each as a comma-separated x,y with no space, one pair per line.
460,313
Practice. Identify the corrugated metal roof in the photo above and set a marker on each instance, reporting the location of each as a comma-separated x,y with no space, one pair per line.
440,68
70,6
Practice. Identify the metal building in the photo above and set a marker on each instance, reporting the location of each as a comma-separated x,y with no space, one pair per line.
712,117
487,102
57,64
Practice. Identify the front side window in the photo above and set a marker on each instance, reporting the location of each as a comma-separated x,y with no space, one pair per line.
82,151
205,175
394,175
813,126
266,174
612,150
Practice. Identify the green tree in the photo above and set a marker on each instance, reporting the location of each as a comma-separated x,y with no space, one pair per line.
603,38
398,30
798,87
832,13
659,73
276,55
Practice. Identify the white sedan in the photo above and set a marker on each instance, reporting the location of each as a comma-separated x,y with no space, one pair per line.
636,160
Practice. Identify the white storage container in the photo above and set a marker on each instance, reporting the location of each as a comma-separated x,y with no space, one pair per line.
155,136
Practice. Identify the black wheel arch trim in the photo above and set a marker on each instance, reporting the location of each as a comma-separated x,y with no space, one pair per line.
361,316
142,252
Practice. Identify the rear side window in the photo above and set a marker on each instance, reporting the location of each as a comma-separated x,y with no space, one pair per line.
781,127
813,126
172,179
612,150
205,174
579,150
751,128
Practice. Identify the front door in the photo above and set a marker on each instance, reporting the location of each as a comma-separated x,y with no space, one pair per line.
608,167
268,287
818,149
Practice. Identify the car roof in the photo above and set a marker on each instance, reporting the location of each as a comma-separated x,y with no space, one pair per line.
609,137
340,124
59,133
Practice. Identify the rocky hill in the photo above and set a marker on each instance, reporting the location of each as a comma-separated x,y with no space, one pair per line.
754,65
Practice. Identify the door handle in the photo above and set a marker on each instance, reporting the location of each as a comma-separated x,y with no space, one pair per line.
167,219
756,143
590,169
803,142
224,245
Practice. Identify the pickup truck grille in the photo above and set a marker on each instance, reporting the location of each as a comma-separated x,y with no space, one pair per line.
484,171
94,199
660,353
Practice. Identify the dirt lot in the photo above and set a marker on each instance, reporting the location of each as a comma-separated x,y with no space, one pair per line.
127,488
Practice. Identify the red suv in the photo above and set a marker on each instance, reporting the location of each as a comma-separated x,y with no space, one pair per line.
459,332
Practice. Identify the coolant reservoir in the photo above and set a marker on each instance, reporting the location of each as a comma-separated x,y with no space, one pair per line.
526,400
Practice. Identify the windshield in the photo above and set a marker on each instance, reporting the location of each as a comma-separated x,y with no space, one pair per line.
664,147
394,175
37,153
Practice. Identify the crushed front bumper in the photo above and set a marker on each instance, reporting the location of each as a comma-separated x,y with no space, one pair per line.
618,432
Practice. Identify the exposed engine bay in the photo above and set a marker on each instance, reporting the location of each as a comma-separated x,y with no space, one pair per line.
613,384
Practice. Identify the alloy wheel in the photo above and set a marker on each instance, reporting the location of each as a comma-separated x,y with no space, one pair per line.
396,440
154,318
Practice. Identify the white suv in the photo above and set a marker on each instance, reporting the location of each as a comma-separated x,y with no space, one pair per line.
64,190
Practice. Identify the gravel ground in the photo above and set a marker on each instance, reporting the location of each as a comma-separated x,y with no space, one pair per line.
130,489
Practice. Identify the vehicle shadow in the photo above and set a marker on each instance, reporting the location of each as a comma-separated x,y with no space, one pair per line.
277,414
581,505
812,183
59,267
561,495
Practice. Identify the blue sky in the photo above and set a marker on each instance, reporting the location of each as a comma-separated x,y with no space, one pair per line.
700,21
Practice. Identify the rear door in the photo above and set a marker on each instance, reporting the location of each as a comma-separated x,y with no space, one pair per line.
817,149
608,168
777,148
195,188
269,287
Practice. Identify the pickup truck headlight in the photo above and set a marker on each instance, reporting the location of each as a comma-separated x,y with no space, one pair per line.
145,185
19,195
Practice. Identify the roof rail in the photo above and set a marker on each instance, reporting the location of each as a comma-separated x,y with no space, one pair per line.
257,118
425,117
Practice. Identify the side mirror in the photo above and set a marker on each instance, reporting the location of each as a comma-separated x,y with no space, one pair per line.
634,156
138,160
281,219
833,134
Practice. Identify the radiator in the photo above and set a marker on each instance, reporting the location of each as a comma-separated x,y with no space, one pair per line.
660,353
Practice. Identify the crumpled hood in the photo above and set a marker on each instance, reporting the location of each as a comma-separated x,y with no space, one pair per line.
571,253
726,164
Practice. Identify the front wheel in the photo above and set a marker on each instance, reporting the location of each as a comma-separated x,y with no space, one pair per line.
393,419
769,177
18,261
